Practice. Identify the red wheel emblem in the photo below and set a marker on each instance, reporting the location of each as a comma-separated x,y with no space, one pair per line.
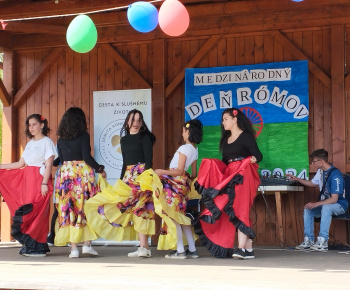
254,117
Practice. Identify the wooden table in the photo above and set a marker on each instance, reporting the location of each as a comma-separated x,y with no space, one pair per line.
277,190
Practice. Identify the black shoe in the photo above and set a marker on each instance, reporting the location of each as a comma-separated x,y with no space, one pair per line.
50,239
192,255
249,255
35,254
23,250
239,254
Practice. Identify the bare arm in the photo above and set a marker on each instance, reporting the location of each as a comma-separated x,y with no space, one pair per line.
47,174
194,169
331,200
302,181
178,171
14,165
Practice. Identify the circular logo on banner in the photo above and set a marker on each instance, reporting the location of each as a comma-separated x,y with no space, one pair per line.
110,144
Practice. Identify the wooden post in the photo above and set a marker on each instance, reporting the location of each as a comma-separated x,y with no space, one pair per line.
8,136
279,223
158,112
158,103
338,96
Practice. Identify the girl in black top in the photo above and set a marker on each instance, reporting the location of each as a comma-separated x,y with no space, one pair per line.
137,151
137,142
75,182
228,188
125,211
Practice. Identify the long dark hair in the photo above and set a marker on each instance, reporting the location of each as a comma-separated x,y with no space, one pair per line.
243,123
73,124
195,128
42,120
125,130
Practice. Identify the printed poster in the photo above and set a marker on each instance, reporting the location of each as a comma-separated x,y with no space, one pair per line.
110,111
274,96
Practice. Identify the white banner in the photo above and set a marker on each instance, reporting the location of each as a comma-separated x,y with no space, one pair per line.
110,111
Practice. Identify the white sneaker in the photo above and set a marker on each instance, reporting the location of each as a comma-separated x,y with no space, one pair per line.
141,252
89,250
321,245
74,253
305,245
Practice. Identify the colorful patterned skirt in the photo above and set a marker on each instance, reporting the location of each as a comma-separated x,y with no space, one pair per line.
75,184
121,211
21,190
170,202
228,194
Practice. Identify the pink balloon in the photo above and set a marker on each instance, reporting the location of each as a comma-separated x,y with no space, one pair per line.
173,18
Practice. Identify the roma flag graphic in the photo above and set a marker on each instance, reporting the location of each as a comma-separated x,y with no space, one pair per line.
274,96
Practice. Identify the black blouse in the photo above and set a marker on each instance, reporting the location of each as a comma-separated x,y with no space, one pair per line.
245,145
77,149
136,149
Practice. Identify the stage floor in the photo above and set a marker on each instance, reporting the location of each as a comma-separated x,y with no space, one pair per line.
273,268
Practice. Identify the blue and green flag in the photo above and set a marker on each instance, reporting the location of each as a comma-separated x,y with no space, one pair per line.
274,96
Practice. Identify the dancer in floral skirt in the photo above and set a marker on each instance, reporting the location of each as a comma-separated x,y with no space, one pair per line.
171,200
126,211
75,183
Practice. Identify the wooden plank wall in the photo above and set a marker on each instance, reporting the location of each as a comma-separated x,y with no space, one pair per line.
73,78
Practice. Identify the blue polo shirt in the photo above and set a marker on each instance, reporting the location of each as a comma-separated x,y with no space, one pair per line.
334,185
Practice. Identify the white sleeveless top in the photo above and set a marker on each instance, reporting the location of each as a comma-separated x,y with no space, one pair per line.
191,155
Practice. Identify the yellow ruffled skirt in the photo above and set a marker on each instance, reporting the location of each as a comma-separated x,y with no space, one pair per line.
121,211
170,201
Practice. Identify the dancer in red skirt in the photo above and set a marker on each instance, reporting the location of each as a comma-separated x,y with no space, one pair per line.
27,188
228,189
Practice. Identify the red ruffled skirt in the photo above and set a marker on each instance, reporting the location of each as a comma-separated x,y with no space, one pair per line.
21,190
228,194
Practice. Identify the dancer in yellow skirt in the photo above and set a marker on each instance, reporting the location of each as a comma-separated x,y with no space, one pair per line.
125,211
75,182
171,200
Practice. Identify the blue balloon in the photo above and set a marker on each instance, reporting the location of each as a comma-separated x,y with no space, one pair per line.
143,16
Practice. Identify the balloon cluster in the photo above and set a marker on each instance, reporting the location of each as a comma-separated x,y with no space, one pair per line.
172,17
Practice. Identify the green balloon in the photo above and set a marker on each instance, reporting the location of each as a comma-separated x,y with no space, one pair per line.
81,34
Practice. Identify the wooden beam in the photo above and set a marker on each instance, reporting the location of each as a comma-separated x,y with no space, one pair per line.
42,28
211,42
206,19
4,95
36,9
291,47
159,101
347,82
5,41
159,112
37,75
338,96
125,65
